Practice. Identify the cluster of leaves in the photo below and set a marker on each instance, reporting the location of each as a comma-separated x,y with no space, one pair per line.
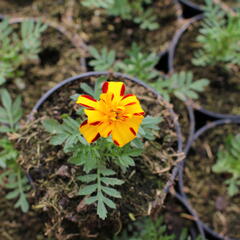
181,85
128,10
12,177
219,37
98,159
155,230
228,161
137,63
15,50
141,65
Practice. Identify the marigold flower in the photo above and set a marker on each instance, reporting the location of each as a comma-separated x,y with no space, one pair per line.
114,114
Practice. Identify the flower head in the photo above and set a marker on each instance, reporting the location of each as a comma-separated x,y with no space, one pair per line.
114,114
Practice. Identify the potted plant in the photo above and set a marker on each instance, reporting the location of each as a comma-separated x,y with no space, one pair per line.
206,59
212,161
63,179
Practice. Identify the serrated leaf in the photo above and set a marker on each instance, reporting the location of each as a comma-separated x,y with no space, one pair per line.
12,194
111,181
88,190
88,178
107,172
109,203
91,200
101,210
111,192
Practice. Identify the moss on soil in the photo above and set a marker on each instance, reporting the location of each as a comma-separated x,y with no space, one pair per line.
222,95
57,193
206,190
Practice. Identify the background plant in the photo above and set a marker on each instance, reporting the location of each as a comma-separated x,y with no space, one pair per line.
99,160
180,85
142,65
228,161
146,229
12,178
219,37
137,63
128,10
15,49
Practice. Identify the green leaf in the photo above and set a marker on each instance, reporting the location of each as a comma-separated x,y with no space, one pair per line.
88,178
91,200
88,190
111,181
101,210
111,192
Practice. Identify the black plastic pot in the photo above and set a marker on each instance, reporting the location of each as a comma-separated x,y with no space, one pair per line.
172,52
190,9
79,78
182,196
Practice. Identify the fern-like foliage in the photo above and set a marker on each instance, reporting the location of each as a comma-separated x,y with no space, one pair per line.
228,161
12,178
147,20
219,37
127,10
103,60
15,50
146,229
10,112
181,85
7,152
139,64
100,190
64,133
97,159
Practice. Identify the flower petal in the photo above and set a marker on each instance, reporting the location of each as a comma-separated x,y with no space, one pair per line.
89,132
94,115
105,129
87,101
117,88
131,104
125,131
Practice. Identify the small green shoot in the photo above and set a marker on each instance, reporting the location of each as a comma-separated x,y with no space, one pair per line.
228,161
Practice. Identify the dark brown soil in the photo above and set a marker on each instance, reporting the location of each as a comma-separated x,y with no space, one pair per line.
18,226
98,29
206,190
222,95
57,195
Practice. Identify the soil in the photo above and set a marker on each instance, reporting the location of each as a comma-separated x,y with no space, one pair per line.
57,194
17,226
222,94
96,28
212,203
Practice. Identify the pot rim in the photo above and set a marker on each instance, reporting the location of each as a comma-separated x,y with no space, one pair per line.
191,5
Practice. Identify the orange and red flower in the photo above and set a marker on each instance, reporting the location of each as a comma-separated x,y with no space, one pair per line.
114,114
